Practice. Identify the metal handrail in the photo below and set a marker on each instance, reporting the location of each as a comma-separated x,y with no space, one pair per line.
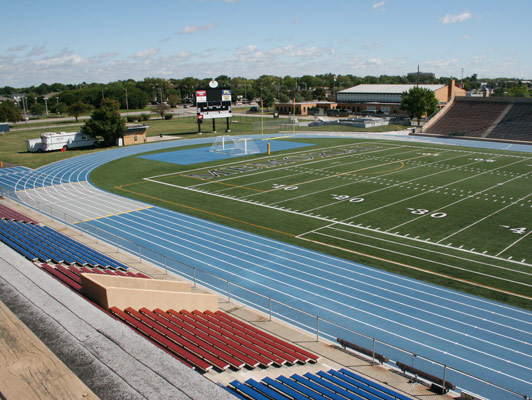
319,334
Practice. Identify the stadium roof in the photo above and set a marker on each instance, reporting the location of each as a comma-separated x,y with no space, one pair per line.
388,89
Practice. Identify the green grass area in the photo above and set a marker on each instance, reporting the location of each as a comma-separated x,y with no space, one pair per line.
13,143
452,216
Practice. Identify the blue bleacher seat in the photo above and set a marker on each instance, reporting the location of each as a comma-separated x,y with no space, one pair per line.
353,385
248,390
284,389
301,388
264,389
375,385
333,387
49,245
317,388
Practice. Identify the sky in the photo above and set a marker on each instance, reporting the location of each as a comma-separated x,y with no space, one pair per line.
104,41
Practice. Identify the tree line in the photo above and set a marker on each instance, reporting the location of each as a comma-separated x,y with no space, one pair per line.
75,99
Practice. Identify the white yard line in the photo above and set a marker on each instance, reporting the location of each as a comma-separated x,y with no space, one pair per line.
487,216
269,170
514,243
336,238
426,249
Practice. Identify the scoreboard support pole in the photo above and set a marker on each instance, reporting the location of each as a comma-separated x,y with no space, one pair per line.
214,125
199,126
228,130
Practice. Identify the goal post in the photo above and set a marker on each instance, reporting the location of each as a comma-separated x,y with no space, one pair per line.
234,145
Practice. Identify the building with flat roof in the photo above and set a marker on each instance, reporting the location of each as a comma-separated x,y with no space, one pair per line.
303,108
386,99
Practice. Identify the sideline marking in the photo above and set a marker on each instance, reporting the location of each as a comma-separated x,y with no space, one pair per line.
452,278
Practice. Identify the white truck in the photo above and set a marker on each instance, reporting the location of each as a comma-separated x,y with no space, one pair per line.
60,141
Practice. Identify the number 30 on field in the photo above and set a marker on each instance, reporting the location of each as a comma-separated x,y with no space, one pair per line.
422,211
347,197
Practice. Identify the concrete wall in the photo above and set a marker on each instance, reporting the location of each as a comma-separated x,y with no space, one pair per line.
122,292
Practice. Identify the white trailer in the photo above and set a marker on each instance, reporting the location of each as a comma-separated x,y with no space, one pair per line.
60,141
34,145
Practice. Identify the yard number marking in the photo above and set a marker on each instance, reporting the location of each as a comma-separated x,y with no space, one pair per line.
347,197
423,211
284,187
519,231
482,159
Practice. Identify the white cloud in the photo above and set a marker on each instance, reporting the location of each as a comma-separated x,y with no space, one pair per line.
195,28
455,18
442,64
146,53
58,61
375,6
466,37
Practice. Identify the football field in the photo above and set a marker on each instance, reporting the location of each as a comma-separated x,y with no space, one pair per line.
462,217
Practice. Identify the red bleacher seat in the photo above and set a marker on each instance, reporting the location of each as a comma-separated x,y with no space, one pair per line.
163,341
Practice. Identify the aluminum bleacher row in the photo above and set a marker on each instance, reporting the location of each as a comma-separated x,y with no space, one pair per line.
41,243
516,124
204,340
336,385
10,214
468,118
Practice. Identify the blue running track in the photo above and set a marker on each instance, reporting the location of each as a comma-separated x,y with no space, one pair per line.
483,338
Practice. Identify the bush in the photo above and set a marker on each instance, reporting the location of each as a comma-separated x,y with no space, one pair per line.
145,117
132,118
168,116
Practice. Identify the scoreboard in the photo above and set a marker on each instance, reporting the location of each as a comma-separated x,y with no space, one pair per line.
213,103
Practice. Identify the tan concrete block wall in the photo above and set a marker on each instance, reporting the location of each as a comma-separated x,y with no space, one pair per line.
123,292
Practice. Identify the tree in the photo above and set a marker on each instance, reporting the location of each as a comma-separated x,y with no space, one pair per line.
106,122
37,109
9,113
174,99
518,91
161,109
419,102
268,99
78,108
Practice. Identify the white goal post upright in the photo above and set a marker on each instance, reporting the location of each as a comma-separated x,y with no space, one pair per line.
234,145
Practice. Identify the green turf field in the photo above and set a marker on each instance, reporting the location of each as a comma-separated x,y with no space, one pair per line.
453,216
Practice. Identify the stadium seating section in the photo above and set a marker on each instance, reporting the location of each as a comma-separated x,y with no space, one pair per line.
200,340
342,384
491,118
10,214
41,243
213,339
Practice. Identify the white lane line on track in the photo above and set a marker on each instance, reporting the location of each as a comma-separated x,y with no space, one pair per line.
298,272
142,228
236,266
278,247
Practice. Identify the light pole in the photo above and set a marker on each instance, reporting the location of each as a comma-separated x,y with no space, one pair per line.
46,105
24,110
127,104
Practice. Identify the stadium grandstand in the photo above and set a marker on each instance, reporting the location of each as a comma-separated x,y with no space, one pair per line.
494,118
120,335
